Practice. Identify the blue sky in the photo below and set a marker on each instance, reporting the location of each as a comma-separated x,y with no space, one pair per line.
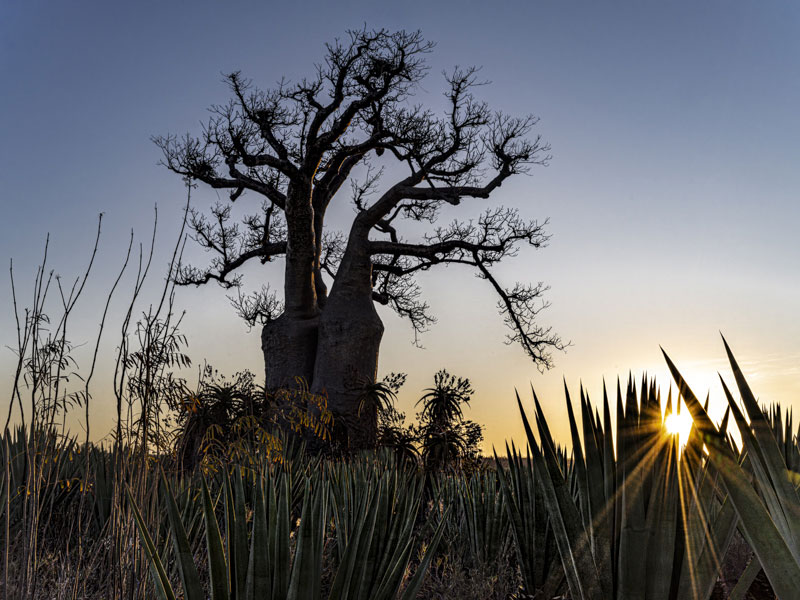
672,193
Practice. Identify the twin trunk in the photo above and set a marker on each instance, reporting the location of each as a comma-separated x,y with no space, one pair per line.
334,349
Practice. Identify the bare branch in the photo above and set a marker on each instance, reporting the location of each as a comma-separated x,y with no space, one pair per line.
333,246
258,308
373,68
263,238
520,306
201,160
397,289
495,235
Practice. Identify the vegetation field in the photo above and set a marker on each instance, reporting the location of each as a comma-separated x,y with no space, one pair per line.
253,510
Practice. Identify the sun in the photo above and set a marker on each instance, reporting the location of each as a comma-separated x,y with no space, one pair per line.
679,424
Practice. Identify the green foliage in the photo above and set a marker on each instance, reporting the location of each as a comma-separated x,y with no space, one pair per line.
478,527
624,514
534,543
642,521
370,506
211,419
235,420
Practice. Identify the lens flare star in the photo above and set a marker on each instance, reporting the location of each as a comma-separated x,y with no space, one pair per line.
679,424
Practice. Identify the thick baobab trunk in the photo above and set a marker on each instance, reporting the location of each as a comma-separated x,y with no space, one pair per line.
336,354
289,343
350,333
332,343
347,358
290,349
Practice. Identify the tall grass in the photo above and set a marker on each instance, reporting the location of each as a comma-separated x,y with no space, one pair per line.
65,519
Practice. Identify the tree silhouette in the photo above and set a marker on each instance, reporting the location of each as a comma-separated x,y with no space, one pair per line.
353,121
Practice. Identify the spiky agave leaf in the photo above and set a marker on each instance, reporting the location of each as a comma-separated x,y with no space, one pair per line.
258,582
636,503
217,562
159,573
770,455
571,537
190,578
758,526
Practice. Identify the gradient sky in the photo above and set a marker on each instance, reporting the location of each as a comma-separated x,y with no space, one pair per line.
672,193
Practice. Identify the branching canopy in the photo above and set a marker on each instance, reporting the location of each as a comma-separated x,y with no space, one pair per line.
295,146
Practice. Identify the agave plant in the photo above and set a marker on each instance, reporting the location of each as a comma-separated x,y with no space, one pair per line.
478,524
781,426
373,523
762,487
534,544
637,523
375,510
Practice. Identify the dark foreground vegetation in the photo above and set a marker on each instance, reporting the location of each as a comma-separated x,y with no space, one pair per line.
259,516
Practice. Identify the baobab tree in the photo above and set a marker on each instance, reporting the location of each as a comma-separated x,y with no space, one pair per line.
296,146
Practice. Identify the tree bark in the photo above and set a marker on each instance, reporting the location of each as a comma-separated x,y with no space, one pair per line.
347,357
350,333
336,350
301,254
289,345
336,354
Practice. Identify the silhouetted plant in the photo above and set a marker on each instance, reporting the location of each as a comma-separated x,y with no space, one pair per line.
392,431
380,395
152,385
206,417
234,419
445,437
